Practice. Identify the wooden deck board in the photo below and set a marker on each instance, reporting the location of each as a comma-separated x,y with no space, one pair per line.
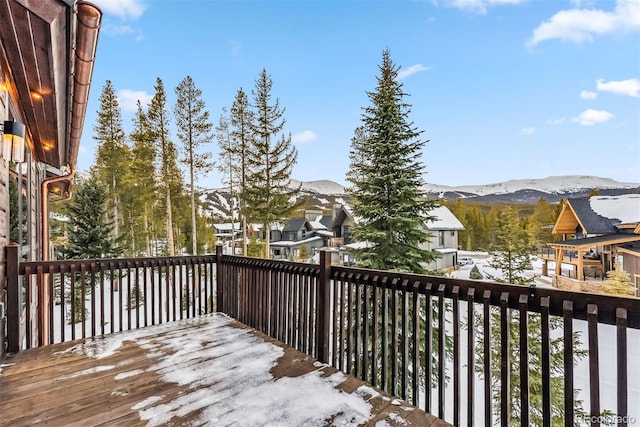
143,378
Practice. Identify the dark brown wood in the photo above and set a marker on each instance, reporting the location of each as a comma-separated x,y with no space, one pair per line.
13,299
471,356
621,346
594,367
415,357
376,332
441,350
428,352
357,326
569,413
456,355
505,357
384,380
545,362
394,338
406,318
323,317
366,312
486,331
524,360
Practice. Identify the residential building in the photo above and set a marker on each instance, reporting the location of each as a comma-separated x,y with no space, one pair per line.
47,51
443,230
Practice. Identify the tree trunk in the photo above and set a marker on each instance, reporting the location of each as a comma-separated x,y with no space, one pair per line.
172,250
194,240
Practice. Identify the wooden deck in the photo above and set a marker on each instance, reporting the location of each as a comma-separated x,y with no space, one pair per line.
206,371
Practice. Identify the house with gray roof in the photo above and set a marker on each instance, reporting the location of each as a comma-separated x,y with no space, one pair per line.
297,237
597,232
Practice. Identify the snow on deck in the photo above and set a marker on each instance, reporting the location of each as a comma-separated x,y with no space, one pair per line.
209,370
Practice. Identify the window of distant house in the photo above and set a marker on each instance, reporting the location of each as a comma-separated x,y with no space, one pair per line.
304,232
441,238
453,233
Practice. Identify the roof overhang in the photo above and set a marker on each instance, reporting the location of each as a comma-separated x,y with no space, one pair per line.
612,239
48,49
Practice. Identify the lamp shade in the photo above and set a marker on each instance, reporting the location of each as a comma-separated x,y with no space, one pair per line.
13,141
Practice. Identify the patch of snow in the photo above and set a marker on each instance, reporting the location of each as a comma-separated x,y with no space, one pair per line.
397,419
625,208
323,186
444,219
119,393
89,371
146,402
128,374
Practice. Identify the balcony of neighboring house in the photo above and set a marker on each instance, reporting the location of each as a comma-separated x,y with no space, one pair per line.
582,264
230,340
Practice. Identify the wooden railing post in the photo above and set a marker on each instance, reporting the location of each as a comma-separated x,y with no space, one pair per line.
323,310
13,299
219,282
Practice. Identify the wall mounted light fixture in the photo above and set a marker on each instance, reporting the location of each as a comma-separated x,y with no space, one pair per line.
13,141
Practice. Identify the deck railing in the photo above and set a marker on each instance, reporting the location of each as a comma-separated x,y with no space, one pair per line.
466,351
56,301
470,352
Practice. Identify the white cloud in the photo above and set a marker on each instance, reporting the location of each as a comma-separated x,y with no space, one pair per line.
630,87
406,72
582,25
124,9
558,121
528,131
476,6
304,136
129,99
585,94
118,30
592,117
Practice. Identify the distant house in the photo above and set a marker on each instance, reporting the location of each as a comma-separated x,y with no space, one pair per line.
297,233
227,231
597,232
444,229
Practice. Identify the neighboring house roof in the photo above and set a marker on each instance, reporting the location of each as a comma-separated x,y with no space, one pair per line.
296,224
290,243
227,226
326,220
598,214
443,219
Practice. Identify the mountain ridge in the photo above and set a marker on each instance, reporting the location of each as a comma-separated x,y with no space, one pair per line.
324,194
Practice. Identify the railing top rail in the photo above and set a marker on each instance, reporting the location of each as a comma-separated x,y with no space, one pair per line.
274,265
110,263
607,305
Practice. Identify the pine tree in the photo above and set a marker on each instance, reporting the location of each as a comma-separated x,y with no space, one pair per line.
618,282
112,152
228,166
270,161
90,235
169,173
142,184
242,138
512,255
194,130
387,180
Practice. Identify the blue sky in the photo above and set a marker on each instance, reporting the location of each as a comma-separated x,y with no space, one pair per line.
503,89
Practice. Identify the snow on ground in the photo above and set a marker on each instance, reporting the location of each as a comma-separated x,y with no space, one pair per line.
226,373
606,353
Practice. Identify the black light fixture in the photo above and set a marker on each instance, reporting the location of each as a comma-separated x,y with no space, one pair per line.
13,141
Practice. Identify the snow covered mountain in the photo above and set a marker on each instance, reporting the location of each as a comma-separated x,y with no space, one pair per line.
324,194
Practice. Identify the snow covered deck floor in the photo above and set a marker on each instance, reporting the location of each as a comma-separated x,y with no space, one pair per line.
210,370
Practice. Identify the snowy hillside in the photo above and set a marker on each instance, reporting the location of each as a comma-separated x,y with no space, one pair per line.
324,194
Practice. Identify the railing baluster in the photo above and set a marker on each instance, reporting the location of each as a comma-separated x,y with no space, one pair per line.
51,305
130,296
112,299
334,328
471,327
350,352
486,332
428,356
366,323
342,323
569,414
621,365
594,369
505,359
83,290
455,293
376,331
415,374
545,361
524,360
358,323
441,350
92,281
405,340
102,301
384,383
62,303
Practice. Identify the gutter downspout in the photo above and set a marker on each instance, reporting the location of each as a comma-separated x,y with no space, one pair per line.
44,204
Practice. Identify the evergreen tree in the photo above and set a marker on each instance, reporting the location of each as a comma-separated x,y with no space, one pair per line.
618,282
387,180
270,159
142,184
475,273
242,138
228,166
194,129
90,236
512,255
112,152
169,173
